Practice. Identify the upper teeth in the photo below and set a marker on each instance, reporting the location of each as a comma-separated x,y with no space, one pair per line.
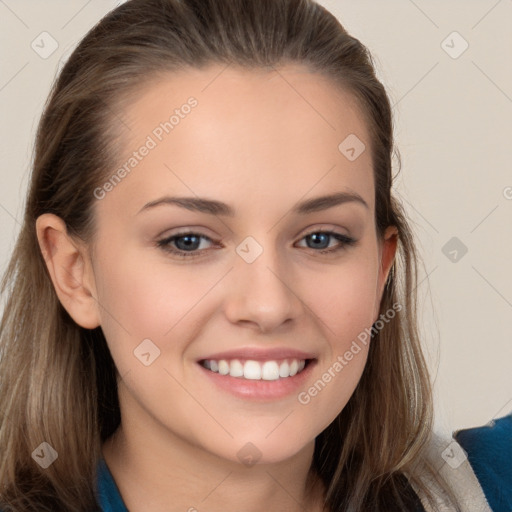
256,370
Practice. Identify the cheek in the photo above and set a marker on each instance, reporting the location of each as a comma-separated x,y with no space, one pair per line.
343,300
140,299
146,291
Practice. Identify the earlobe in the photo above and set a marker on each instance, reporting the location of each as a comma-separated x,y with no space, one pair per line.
72,278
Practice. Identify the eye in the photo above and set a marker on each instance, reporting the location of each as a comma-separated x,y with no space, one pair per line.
188,244
320,240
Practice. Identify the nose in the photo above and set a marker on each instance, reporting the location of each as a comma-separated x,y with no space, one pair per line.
261,294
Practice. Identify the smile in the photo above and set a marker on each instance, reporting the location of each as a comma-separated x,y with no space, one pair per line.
256,370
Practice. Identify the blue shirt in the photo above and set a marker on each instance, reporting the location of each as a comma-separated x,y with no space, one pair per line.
109,497
489,451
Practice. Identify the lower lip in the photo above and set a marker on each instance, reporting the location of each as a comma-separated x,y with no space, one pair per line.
260,389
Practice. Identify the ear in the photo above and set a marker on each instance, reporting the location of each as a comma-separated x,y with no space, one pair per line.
70,270
387,252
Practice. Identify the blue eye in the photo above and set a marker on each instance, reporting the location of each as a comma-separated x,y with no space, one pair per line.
188,244
318,239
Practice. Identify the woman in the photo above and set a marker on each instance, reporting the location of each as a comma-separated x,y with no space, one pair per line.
211,304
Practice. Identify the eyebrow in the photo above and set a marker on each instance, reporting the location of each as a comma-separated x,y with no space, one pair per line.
213,207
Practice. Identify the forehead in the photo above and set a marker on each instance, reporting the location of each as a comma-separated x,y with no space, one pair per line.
275,133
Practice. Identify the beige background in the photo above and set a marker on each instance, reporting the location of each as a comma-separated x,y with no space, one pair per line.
453,117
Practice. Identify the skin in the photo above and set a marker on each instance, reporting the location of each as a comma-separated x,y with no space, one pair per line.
260,141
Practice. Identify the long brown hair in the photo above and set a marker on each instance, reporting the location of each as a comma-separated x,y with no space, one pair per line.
58,380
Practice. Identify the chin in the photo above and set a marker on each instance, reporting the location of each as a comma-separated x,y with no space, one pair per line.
260,450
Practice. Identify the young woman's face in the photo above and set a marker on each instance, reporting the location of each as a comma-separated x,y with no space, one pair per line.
255,290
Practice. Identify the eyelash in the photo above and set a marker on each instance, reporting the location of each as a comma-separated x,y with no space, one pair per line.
165,243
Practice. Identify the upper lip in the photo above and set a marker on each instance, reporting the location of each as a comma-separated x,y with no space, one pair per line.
260,354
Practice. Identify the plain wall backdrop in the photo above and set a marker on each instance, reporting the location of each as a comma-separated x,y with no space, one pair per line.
447,69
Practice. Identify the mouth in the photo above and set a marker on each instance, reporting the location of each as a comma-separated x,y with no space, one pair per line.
250,369
260,380
258,373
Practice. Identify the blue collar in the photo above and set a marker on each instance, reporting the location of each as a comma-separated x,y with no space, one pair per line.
109,497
